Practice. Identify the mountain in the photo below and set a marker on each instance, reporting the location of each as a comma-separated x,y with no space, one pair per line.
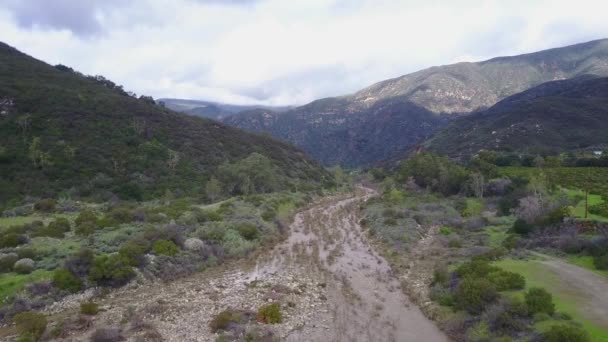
553,117
65,133
212,110
394,115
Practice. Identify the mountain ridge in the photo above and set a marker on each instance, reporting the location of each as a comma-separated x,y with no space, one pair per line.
333,130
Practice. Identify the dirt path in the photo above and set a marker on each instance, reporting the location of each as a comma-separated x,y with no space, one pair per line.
365,300
589,289
331,284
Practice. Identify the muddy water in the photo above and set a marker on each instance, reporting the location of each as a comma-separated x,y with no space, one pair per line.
364,298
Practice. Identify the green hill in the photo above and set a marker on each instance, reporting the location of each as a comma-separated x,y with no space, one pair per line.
63,133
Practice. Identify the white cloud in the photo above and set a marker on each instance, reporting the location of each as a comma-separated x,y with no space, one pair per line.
285,52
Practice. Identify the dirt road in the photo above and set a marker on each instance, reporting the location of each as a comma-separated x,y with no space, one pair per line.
589,289
331,284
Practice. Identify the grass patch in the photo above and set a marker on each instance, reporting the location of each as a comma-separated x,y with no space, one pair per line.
579,209
11,283
496,235
586,261
565,299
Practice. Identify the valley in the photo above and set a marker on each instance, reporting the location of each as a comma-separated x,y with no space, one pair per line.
465,202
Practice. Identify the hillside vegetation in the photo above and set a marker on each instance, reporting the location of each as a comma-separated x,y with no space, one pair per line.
62,133
551,118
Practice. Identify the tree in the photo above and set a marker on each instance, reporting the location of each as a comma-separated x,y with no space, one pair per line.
213,189
530,209
24,123
173,159
37,156
478,184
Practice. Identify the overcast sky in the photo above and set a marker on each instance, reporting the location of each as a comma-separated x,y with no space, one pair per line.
284,52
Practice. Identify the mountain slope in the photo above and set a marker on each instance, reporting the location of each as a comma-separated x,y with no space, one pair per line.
211,110
552,117
327,128
63,132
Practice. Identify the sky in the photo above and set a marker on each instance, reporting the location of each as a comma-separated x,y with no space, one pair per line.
284,52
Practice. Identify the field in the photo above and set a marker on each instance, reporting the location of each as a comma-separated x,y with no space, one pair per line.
579,209
592,178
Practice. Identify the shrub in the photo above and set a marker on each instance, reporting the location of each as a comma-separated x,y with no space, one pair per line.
224,319
55,229
390,221
7,261
599,209
440,276
111,270
270,314
60,224
474,294
86,216
26,252
504,280
109,334
89,308
194,244
66,281
86,228
248,231
165,247
120,215
80,262
12,240
601,262
476,268
445,230
46,205
563,332
268,215
31,322
522,227
134,250
24,266
539,300
510,242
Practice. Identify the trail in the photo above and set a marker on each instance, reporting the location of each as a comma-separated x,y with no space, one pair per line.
589,289
331,284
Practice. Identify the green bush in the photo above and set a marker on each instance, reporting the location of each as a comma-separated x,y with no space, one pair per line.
24,266
111,270
476,268
539,300
599,209
601,262
7,261
521,227
270,314
89,308
565,333
269,215
445,230
248,231
86,228
55,229
66,281
134,250
224,319
474,294
165,247
12,240
510,242
120,215
86,216
46,205
504,280
26,252
30,322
